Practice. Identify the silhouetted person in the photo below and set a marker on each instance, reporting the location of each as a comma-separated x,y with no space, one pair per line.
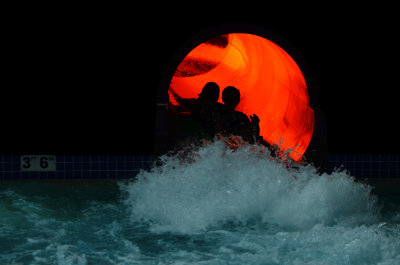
235,122
201,111
198,107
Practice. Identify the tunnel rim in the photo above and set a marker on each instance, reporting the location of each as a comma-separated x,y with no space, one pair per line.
317,150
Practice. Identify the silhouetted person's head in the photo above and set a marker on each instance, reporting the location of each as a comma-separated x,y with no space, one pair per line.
231,97
210,92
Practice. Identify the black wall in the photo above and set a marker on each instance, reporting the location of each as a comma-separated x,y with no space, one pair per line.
85,82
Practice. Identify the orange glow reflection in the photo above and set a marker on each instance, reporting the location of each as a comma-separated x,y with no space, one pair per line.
270,82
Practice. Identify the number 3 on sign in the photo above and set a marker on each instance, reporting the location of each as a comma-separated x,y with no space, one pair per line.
38,163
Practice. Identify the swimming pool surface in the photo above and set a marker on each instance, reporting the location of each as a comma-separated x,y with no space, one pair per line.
222,208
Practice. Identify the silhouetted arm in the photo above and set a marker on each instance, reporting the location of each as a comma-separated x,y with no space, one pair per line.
175,95
255,125
187,103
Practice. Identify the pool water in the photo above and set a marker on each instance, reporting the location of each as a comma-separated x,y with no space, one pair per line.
221,207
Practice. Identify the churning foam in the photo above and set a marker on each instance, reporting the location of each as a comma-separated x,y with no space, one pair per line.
221,185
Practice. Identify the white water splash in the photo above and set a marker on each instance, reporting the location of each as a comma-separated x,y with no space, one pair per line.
222,185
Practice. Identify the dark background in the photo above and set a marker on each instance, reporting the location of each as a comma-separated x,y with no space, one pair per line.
84,81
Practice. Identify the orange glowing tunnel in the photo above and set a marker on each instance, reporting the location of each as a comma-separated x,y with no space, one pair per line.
270,82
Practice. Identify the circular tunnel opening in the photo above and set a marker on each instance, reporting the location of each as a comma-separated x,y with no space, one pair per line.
270,82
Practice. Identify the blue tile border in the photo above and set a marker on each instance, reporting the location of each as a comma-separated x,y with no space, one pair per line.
121,167
367,165
79,167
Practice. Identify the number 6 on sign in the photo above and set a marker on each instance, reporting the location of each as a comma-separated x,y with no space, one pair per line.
38,163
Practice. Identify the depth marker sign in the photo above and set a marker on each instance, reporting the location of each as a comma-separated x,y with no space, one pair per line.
38,163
